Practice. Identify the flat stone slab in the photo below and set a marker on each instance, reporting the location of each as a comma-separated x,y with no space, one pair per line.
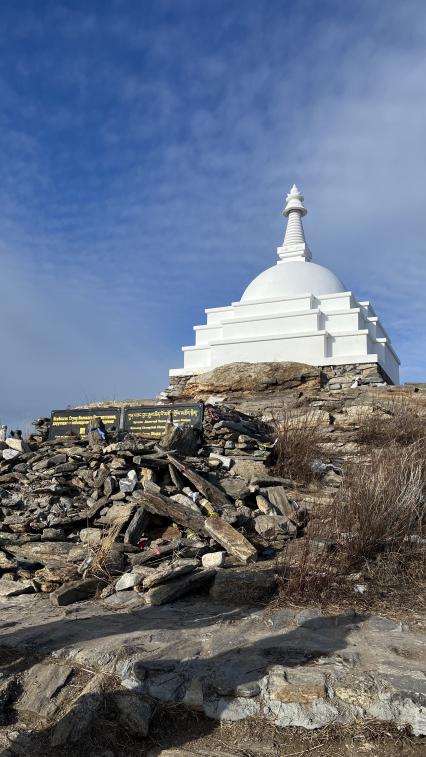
291,667
42,687
10,588
168,592
74,591
238,586
231,539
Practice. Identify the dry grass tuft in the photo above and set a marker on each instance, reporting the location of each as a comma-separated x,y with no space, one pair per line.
298,445
381,504
308,570
99,566
375,531
400,423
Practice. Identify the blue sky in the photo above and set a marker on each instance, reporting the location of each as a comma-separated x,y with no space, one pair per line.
145,151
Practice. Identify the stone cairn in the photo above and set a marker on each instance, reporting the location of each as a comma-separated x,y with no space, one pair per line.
79,519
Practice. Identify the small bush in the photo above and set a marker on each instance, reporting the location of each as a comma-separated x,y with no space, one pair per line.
381,504
399,422
372,534
307,574
298,445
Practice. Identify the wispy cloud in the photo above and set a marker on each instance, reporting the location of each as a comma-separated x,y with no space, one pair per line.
146,150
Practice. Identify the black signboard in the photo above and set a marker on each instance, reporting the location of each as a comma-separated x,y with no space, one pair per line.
150,420
76,422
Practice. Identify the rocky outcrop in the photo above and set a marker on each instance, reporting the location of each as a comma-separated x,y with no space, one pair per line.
133,526
241,380
222,658
245,379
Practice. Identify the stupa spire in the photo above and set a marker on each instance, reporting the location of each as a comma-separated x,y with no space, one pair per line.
294,246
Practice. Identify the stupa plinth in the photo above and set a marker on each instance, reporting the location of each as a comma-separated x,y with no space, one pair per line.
295,311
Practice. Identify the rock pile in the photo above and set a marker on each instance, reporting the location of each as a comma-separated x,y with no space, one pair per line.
79,518
41,432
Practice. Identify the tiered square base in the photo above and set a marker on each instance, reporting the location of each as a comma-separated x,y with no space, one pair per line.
330,330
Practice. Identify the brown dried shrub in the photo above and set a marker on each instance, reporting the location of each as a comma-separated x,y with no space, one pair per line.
308,573
99,566
400,421
298,445
375,529
381,503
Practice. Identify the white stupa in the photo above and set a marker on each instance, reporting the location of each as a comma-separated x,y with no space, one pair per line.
294,311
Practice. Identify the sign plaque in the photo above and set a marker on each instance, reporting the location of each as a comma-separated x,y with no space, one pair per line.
76,422
150,421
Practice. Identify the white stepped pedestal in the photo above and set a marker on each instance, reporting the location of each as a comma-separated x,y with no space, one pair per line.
295,311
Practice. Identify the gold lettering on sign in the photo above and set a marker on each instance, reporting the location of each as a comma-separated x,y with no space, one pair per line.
78,423
151,421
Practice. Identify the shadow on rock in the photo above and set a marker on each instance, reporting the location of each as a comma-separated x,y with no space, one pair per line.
110,719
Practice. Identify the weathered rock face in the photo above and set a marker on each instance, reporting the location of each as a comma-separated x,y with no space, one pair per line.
290,667
242,379
44,689
81,713
171,590
241,586
133,714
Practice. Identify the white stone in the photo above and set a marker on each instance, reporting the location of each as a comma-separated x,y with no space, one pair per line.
213,559
9,454
183,499
128,581
294,311
128,484
18,444
226,461
360,588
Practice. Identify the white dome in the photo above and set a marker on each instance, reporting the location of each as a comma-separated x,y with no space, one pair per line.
293,278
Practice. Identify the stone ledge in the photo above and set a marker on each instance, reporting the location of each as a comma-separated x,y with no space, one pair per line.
289,667
240,380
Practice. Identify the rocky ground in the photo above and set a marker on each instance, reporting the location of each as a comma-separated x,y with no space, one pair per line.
140,512
138,577
66,667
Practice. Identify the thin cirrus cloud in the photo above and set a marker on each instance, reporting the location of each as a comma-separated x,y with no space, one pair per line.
146,150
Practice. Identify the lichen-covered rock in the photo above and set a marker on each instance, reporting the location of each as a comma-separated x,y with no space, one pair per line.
240,379
134,715
243,586
80,716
